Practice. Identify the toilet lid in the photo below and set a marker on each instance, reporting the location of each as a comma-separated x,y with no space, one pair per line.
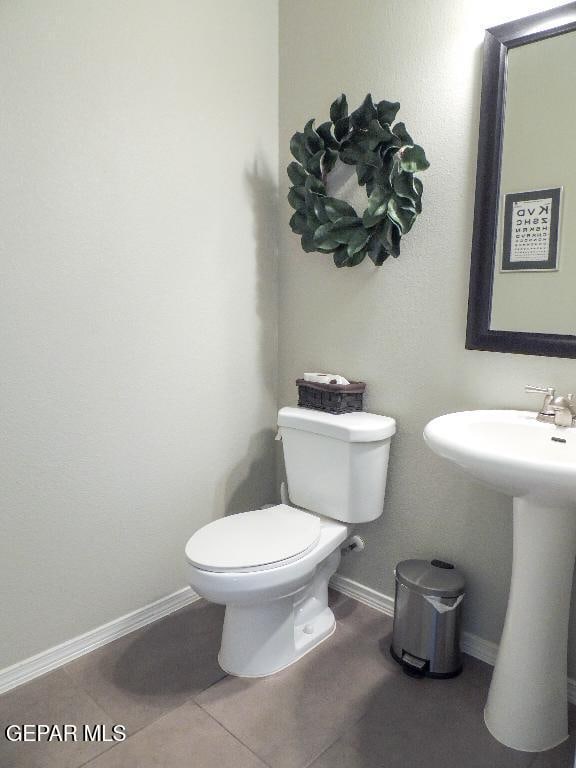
252,539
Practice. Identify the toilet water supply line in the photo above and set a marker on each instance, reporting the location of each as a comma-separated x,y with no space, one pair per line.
352,544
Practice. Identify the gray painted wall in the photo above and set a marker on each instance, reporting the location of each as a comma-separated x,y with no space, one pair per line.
138,322
123,292
401,328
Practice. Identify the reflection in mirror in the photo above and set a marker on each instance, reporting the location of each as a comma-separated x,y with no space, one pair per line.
535,272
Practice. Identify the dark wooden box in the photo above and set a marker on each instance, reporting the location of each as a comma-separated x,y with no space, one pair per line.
331,398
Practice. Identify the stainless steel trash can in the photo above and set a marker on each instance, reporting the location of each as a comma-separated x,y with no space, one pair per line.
427,616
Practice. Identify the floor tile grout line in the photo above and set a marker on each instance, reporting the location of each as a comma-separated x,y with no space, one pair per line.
341,624
348,727
83,690
225,675
234,736
185,703
78,685
133,734
337,739
104,752
346,625
113,717
317,757
192,699
93,700
109,714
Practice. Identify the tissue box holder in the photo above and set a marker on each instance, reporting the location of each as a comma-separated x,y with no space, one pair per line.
331,398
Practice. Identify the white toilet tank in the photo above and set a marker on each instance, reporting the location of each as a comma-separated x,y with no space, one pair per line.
336,465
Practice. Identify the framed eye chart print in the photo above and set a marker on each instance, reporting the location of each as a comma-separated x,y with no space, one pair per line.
531,229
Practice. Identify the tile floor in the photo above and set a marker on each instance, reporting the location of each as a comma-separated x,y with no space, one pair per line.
345,705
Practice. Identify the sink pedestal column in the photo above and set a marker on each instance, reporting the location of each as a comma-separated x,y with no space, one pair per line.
527,705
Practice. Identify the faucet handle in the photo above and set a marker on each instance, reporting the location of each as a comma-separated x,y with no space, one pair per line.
546,412
549,391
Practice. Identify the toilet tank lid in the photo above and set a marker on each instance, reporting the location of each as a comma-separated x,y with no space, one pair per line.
356,427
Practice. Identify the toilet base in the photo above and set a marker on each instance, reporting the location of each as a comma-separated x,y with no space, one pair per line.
263,667
263,638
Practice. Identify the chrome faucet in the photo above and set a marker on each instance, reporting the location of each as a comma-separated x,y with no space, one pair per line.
556,409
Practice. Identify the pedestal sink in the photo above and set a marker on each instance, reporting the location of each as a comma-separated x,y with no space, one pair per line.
535,463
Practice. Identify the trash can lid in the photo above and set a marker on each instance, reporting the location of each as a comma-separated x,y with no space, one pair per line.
434,577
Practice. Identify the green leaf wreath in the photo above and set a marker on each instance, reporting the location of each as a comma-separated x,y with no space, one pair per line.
386,160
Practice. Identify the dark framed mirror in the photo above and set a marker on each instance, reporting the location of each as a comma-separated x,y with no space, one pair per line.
522,295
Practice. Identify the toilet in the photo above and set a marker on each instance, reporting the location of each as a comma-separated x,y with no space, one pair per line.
271,567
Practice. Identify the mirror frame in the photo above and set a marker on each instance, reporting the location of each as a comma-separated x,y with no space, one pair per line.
497,42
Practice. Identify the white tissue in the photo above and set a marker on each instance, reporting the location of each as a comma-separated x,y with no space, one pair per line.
326,378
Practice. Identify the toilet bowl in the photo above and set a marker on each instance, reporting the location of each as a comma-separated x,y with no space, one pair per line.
271,567
276,609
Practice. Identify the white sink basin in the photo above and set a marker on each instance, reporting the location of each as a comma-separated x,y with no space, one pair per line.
535,463
510,451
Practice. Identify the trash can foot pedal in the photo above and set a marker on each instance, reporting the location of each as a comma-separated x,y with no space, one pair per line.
414,662
412,665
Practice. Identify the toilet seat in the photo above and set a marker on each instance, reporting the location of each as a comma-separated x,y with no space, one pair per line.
260,539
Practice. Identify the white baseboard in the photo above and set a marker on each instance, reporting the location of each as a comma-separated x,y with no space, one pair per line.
46,661
485,650
366,595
